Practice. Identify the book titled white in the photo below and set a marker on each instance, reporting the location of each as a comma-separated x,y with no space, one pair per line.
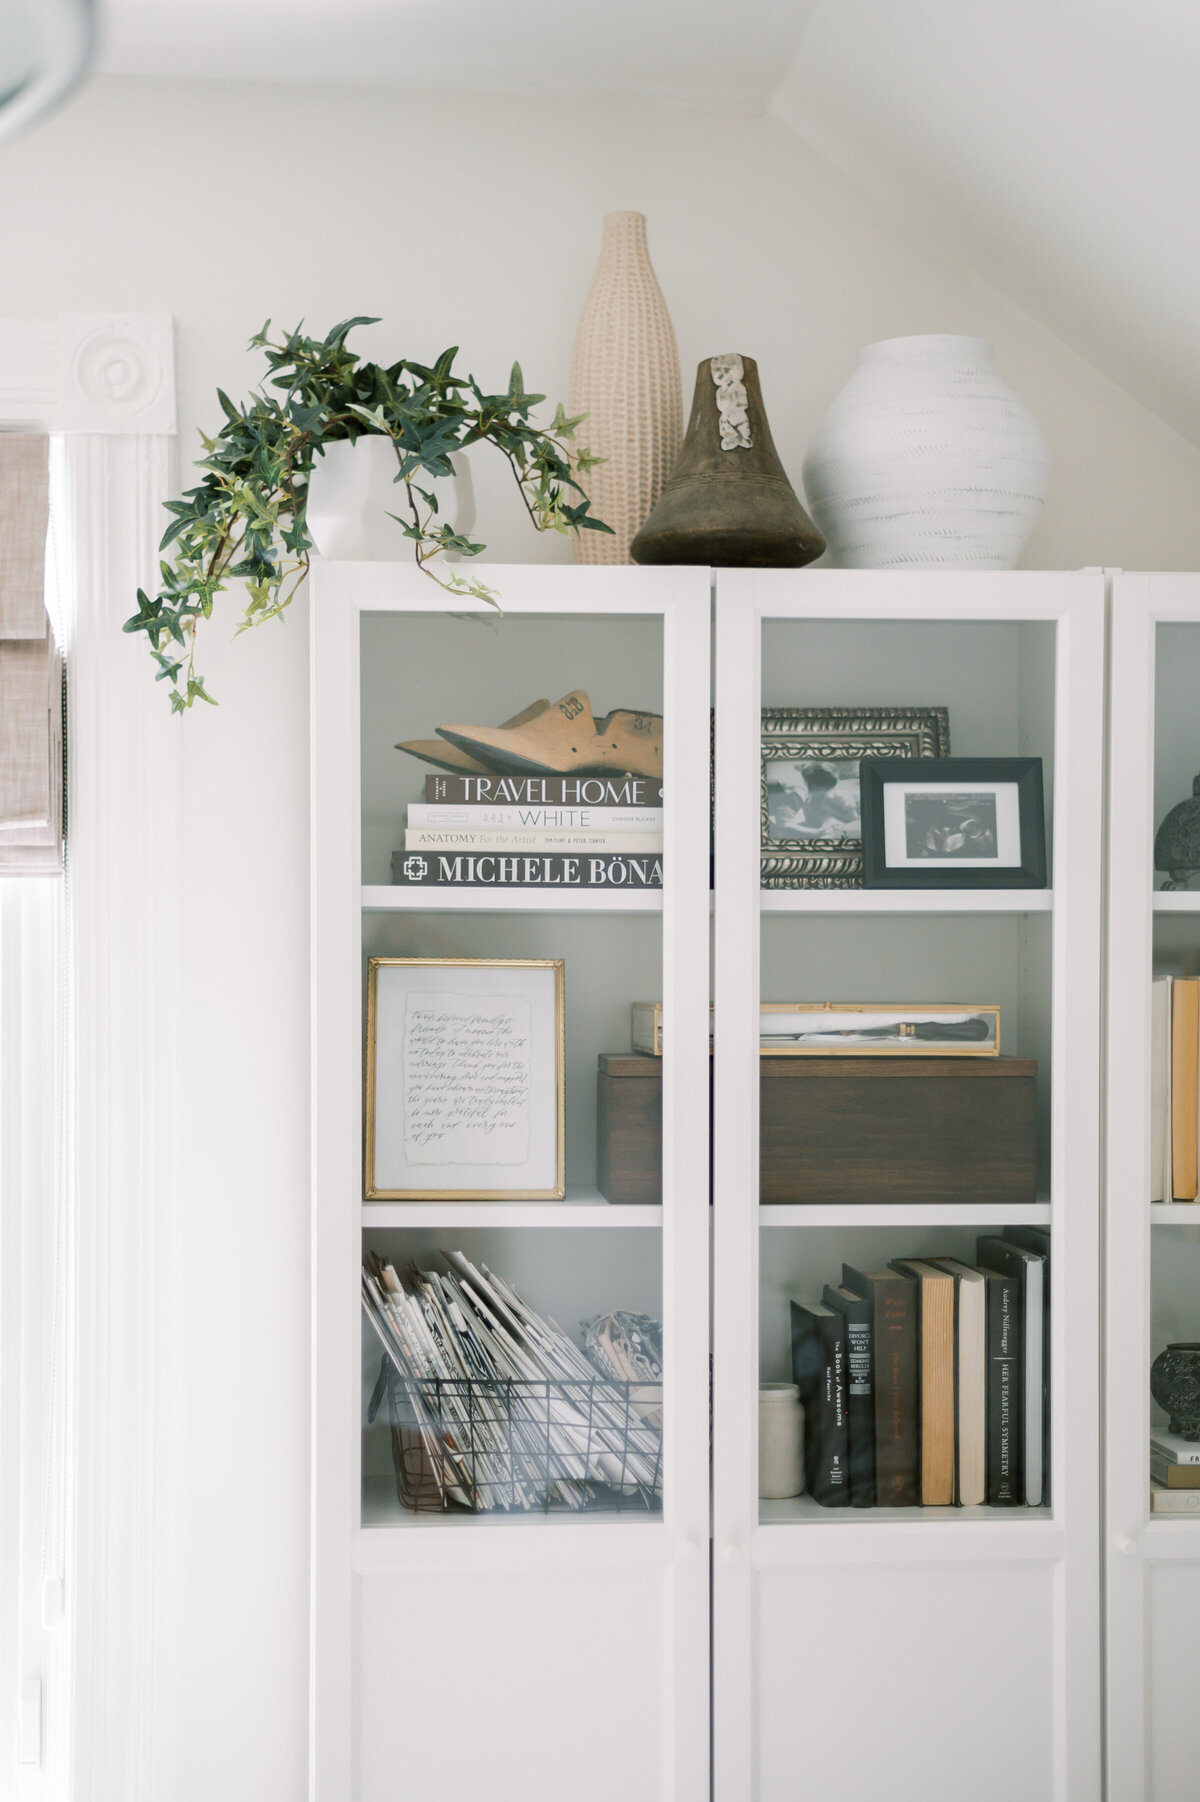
1174,1447
510,838
536,819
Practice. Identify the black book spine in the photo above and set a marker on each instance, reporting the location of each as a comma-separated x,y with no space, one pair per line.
505,869
860,1399
545,791
1005,1424
819,1370
895,1380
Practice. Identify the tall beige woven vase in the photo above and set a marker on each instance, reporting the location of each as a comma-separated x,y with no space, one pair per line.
625,377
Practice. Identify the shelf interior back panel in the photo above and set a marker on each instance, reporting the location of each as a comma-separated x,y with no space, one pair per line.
995,677
421,671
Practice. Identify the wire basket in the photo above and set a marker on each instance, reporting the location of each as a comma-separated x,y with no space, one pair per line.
480,1444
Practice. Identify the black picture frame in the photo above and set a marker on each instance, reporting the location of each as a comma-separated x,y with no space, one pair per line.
955,862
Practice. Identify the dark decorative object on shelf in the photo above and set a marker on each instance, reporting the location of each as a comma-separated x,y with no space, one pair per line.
1177,843
727,502
953,822
1175,1386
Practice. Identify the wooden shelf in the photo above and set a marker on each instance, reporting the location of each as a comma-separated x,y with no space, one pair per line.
1025,1213
583,1207
907,901
382,1513
802,1510
1174,1213
398,899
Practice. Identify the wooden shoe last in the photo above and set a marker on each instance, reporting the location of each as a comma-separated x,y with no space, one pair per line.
446,756
565,740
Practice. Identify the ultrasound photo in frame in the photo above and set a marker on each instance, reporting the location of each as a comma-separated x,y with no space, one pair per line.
953,822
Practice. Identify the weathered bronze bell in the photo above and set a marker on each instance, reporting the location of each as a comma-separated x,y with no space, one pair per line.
1177,842
727,502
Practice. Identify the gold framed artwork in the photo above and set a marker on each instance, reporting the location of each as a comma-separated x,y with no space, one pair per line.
465,1079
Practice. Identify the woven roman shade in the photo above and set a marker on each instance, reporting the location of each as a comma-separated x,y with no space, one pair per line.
31,680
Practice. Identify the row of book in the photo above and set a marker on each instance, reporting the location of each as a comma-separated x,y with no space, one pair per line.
925,1384
534,832
1174,1088
1174,1473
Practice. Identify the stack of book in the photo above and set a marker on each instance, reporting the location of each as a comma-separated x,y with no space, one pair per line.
925,1384
1174,1474
534,832
1174,1087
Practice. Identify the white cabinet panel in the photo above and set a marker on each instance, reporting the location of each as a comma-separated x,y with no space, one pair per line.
1173,1660
540,1685
898,1681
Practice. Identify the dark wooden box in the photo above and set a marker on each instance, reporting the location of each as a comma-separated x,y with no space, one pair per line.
847,1129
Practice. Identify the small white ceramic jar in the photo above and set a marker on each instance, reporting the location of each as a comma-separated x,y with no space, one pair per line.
780,1441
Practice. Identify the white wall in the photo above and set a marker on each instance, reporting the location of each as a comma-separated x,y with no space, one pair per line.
474,224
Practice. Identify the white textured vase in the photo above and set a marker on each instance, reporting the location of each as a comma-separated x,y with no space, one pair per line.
927,460
625,377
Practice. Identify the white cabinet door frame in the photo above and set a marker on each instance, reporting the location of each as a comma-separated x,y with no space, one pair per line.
673,1552
1060,1544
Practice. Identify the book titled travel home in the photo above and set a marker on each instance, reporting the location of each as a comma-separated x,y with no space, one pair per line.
546,791
819,1370
860,1401
468,869
1005,1427
893,1299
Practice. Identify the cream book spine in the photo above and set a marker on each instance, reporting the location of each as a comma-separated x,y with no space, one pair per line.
1185,1085
516,840
1174,1501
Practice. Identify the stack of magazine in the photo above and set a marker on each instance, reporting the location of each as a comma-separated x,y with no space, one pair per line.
493,1406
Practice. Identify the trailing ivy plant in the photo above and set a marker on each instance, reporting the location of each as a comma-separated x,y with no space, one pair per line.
246,521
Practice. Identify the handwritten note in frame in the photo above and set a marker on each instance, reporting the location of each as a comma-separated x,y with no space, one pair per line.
465,1079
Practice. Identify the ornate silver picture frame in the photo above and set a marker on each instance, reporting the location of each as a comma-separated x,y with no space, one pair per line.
811,834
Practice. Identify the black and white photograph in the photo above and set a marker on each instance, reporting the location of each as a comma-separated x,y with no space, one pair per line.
811,834
808,799
953,823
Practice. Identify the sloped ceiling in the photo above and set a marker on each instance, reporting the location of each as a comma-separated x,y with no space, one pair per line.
1052,145
705,52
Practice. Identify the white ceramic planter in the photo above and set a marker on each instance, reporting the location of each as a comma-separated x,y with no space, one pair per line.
352,490
927,460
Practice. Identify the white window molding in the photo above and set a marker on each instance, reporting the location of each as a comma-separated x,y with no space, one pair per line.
107,384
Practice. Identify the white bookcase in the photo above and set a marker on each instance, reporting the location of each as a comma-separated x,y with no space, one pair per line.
575,1655
530,1656
923,1653
1152,1250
